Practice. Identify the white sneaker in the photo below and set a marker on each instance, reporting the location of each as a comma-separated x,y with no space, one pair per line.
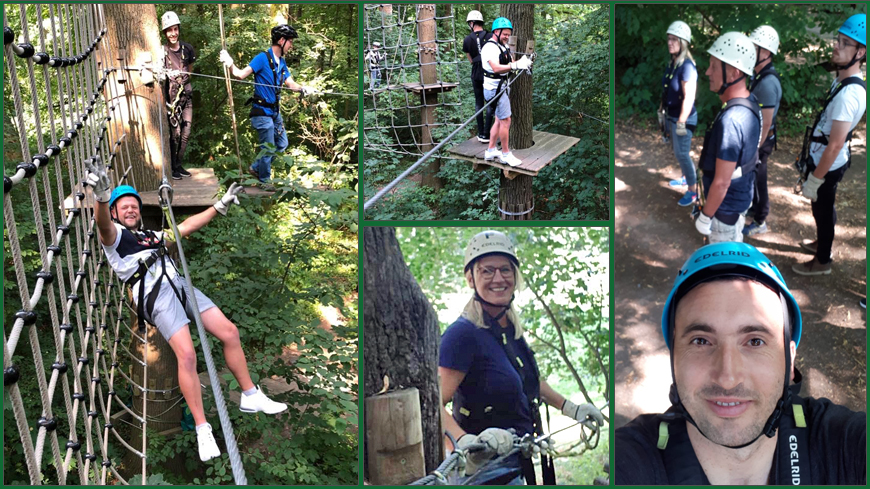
491,154
510,159
259,402
208,448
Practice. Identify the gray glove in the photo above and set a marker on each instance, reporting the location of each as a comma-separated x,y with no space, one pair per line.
98,178
811,187
228,199
661,115
497,441
704,224
583,413
681,129
306,91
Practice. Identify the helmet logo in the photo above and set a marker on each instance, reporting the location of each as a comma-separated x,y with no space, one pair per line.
722,253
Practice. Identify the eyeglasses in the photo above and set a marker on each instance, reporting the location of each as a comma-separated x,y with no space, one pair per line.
488,273
842,42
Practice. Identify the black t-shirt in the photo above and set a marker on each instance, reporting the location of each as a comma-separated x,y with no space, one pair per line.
471,45
837,448
180,60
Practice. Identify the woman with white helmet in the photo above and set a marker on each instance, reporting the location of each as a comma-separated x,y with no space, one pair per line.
677,109
489,372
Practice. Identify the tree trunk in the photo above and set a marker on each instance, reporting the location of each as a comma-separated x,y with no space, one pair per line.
428,48
133,35
401,334
515,196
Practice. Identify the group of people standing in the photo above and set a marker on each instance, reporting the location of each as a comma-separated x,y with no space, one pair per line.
743,134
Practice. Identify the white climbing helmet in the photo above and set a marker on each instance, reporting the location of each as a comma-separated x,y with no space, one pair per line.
474,16
735,49
765,37
170,19
489,242
680,29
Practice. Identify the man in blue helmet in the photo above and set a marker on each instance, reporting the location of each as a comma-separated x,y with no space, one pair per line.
270,74
730,152
736,417
495,57
138,256
829,154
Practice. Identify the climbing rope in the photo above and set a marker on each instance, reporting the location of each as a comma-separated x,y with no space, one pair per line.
230,90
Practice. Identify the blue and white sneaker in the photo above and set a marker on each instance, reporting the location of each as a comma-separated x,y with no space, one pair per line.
755,228
678,183
688,199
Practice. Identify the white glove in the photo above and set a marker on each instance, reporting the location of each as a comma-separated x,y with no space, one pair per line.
811,187
524,63
497,441
98,179
582,413
681,129
226,59
228,199
704,224
306,91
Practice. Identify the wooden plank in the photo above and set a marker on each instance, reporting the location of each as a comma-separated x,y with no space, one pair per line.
198,190
548,147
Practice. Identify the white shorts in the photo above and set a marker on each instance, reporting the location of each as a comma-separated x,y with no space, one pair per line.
723,233
503,106
169,315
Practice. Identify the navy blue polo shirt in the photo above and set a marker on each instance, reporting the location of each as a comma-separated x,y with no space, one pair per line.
491,394
263,75
674,78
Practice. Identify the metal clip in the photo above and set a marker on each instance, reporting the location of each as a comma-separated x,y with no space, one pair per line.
165,193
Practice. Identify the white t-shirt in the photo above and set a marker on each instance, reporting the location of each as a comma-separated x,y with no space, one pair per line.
124,254
490,51
848,106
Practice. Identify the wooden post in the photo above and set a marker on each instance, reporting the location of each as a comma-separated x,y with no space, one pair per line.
428,50
394,435
516,199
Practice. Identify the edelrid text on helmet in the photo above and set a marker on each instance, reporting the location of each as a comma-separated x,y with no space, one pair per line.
680,29
487,243
502,23
766,37
735,49
122,191
727,260
169,19
283,31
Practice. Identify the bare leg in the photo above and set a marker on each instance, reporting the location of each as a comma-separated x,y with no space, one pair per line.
494,133
504,133
188,380
217,324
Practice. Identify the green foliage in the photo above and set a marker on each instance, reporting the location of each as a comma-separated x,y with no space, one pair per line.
571,77
641,53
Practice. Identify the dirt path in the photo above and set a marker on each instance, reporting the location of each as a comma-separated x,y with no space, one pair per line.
654,237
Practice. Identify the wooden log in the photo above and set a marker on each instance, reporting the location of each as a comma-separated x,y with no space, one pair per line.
394,436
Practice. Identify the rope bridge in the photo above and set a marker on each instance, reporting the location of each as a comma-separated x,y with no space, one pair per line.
86,302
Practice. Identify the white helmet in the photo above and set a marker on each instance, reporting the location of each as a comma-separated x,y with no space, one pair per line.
473,16
170,19
765,37
735,49
488,242
680,29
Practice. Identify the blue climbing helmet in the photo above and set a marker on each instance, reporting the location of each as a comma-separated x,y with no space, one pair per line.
855,28
724,260
502,23
122,191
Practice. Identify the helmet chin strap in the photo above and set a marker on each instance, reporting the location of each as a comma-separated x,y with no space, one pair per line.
772,423
725,83
758,54
855,59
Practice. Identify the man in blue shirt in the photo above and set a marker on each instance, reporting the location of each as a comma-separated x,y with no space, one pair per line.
270,75
730,151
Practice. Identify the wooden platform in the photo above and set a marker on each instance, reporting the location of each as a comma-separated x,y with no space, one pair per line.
547,148
417,87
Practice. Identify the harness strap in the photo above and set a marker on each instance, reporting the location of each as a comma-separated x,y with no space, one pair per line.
145,305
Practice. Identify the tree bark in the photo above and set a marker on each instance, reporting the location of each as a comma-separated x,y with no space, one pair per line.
515,195
401,334
427,49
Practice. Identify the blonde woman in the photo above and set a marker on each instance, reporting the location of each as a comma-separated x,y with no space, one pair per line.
489,372
679,84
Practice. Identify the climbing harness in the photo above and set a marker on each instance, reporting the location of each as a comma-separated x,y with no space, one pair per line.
173,110
802,160
768,70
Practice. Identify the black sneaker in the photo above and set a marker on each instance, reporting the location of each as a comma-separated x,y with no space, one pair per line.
176,175
183,172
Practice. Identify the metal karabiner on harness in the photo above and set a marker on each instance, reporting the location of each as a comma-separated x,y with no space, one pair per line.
173,110
802,160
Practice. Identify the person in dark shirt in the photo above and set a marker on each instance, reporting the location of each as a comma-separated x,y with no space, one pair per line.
178,56
492,393
730,151
679,85
471,45
736,418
